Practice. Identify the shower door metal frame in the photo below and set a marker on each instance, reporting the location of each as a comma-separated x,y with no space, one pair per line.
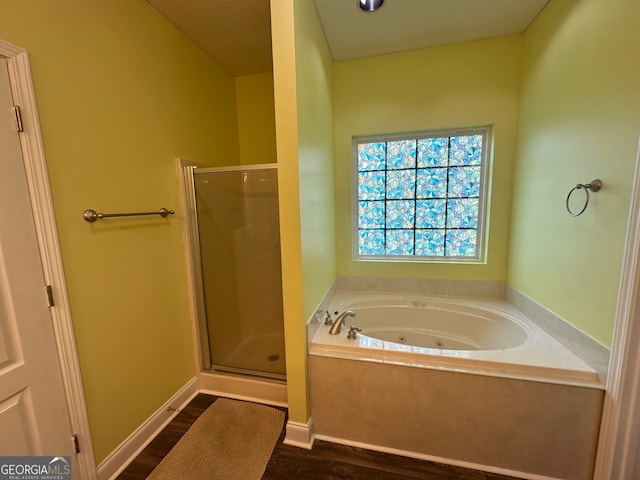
196,266
189,173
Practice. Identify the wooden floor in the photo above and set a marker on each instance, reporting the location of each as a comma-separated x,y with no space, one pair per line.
327,461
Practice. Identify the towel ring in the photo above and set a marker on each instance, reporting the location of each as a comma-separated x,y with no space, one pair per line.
594,186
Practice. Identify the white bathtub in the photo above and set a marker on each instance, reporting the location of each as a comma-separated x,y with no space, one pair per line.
479,336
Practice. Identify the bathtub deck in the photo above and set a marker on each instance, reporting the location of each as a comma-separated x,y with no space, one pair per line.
325,461
539,358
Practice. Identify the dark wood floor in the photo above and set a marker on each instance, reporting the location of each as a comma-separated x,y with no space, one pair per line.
326,461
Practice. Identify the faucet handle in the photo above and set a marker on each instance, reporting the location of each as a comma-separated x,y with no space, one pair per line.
328,320
353,332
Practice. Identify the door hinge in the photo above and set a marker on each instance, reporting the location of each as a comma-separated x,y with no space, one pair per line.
76,443
49,291
18,114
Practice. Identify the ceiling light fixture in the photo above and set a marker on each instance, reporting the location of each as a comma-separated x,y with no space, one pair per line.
370,5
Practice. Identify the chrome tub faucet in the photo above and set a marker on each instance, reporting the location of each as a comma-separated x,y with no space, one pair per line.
340,321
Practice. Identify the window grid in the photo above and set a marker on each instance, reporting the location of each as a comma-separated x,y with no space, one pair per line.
445,224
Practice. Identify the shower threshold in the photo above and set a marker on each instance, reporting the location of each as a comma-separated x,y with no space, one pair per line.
247,372
269,391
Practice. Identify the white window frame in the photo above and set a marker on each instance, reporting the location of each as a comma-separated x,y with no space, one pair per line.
483,199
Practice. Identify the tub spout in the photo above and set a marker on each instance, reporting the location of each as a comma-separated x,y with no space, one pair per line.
339,322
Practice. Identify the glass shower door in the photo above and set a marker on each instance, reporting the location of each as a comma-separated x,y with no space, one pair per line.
239,236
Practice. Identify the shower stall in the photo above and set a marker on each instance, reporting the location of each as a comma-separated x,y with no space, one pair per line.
234,224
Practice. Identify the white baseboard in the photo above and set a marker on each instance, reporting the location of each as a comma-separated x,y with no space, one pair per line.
299,434
434,458
113,465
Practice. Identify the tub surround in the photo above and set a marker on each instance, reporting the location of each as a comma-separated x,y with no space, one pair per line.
592,352
540,422
422,286
536,356
524,428
320,313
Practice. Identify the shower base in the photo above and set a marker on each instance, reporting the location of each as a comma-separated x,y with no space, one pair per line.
260,355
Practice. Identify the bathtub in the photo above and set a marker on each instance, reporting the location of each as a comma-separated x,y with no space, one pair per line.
483,336
468,382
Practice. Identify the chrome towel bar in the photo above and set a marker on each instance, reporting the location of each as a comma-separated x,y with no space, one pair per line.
91,215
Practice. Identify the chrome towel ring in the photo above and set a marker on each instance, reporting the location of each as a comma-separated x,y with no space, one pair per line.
594,186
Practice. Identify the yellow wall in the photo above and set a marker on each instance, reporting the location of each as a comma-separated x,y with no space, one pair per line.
579,120
471,84
256,118
304,124
121,93
314,76
284,83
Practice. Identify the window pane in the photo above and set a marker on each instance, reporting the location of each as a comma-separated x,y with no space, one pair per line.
466,150
432,183
371,185
464,181
420,196
461,243
401,154
400,213
431,213
401,184
371,242
462,213
430,243
433,152
371,156
371,214
399,242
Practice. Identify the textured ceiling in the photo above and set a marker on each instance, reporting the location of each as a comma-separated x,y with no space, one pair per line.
237,33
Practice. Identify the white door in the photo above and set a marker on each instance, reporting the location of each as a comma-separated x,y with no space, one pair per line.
34,419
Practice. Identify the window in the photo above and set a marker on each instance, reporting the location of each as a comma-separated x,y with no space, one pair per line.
421,196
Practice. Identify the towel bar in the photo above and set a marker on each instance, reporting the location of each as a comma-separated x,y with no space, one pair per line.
91,215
